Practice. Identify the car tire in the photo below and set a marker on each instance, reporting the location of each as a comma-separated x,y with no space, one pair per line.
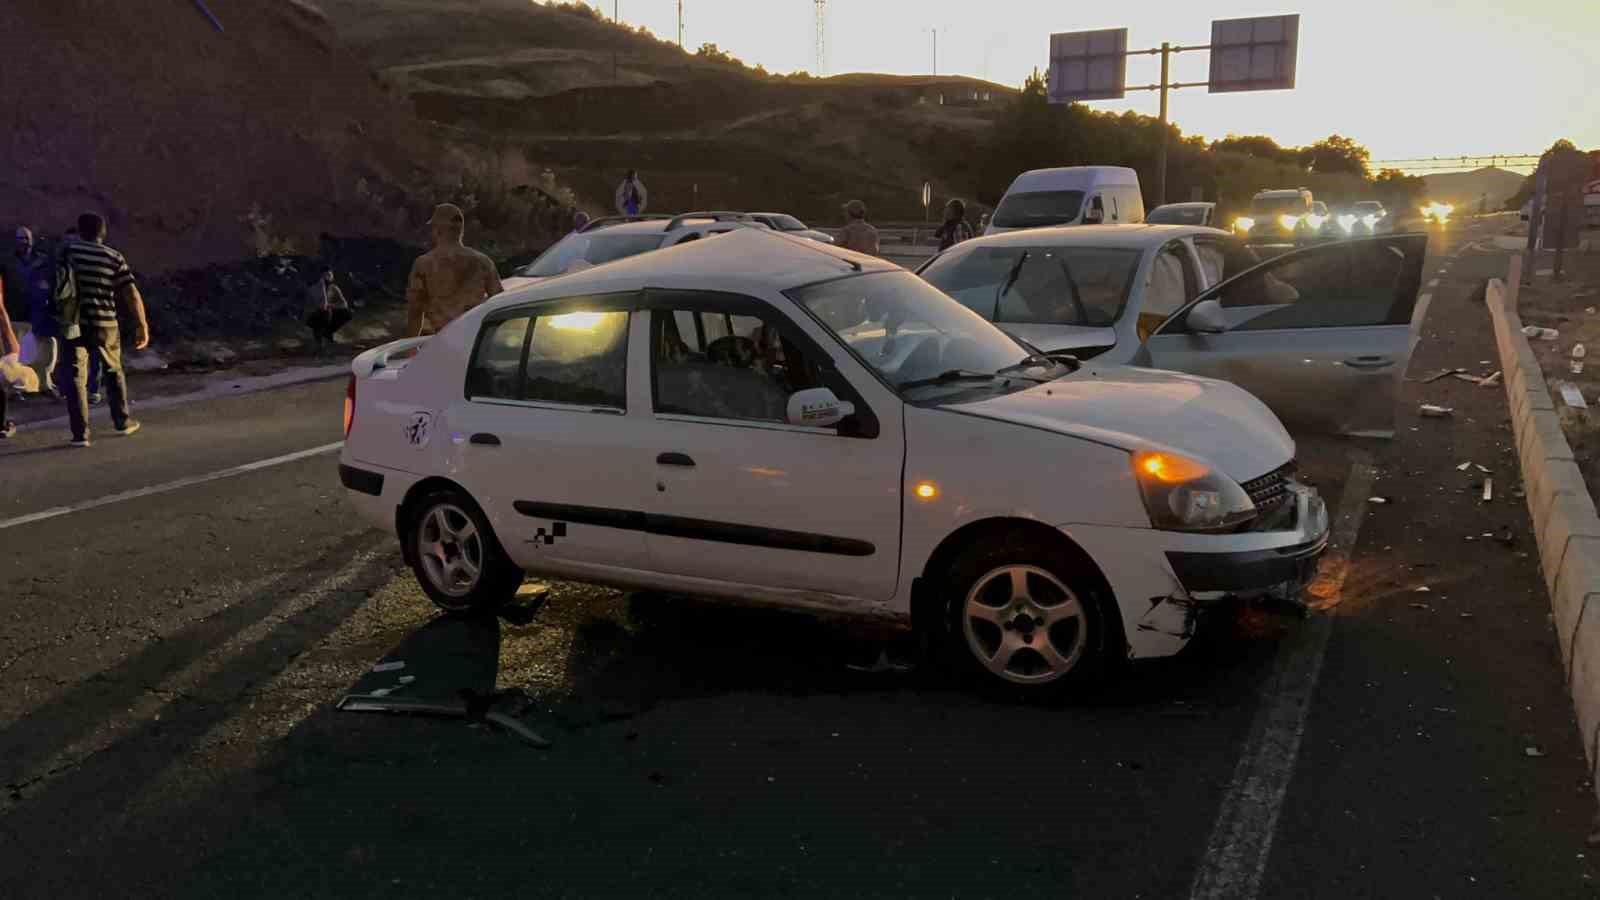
1022,619
456,557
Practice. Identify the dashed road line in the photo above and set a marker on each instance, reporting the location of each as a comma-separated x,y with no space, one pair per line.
190,481
1241,841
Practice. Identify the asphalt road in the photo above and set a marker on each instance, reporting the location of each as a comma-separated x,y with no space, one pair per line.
172,663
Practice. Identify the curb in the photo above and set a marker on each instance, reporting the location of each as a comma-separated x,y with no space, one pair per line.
1565,523
217,389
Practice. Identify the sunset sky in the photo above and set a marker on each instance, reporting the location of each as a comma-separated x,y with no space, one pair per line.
1408,78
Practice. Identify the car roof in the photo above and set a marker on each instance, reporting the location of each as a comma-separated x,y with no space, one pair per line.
1283,192
1073,176
1137,237
651,226
1187,204
745,260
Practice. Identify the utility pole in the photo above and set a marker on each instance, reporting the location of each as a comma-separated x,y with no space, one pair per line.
1161,156
680,24
822,37
935,33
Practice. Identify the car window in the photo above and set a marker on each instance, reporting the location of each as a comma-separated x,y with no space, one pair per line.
1223,259
1051,286
1169,286
1033,209
911,335
723,366
1357,283
1261,207
786,223
496,369
578,357
1177,215
594,249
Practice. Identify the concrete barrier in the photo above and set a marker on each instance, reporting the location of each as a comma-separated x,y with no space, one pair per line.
1565,523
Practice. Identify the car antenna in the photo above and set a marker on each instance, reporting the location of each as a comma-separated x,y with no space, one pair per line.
806,243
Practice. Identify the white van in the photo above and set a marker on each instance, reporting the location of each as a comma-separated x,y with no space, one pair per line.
1073,195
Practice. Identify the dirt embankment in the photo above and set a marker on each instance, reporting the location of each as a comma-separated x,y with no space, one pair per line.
201,145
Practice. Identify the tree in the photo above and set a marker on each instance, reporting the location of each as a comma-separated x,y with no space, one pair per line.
1256,145
1399,190
1335,154
712,52
1559,145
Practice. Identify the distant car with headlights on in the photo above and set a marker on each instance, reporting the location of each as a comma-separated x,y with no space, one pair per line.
1437,213
1362,218
1196,213
1276,217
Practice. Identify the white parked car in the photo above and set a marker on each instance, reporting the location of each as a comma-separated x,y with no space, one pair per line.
767,420
1323,334
605,240
790,225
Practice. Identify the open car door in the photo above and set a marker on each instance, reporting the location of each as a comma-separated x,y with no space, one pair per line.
1322,335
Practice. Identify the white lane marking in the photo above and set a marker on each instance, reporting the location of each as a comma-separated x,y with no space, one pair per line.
1236,855
190,481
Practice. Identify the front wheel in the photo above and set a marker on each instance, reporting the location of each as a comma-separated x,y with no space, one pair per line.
1022,618
456,557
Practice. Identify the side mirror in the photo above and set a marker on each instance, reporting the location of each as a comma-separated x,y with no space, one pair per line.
818,408
1206,317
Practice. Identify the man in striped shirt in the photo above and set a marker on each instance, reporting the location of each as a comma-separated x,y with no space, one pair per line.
103,277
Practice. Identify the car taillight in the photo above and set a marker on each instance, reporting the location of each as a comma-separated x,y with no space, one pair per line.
349,406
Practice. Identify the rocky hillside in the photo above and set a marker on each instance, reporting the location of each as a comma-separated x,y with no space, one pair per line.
202,144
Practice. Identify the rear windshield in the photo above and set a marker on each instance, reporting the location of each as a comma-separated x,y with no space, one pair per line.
1038,285
594,249
1177,215
1272,206
1035,209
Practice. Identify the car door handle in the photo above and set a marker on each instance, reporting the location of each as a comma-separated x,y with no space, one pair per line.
675,459
1369,362
484,439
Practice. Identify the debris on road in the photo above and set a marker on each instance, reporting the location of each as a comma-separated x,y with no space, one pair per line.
1488,489
1378,500
1442,373
1490,380
1470,379
1436,412
1464,466
1571,395
1543,334
1532,751
1482,468
882,664
1424,589
1578,352
389,666
1505,537
1422,606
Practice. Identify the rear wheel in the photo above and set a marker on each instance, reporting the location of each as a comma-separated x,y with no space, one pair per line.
1022,618
456,557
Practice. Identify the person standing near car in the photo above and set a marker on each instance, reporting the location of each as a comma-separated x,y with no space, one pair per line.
449,279
856,234
30,275
8,345
102,279
631,195
954,229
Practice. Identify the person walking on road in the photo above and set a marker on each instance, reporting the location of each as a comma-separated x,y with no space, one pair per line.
954,229
327,311
631,195
102,280
30,276
857,235
8,345
449,279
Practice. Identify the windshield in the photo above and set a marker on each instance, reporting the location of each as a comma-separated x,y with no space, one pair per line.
1366,206
1177,215
1038,285
786,223
912,334
1272,206
591,248
1038,208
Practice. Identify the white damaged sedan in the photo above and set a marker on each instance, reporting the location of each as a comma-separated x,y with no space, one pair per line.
765,419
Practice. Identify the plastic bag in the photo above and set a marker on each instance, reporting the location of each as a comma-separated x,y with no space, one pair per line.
17,376
30,350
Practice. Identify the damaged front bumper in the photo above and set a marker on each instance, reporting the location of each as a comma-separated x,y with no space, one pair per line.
1161,579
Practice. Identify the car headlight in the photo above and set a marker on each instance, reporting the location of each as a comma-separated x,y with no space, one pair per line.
1370,220
1244,223
1182,494
1347,222
1288,222
1315,221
